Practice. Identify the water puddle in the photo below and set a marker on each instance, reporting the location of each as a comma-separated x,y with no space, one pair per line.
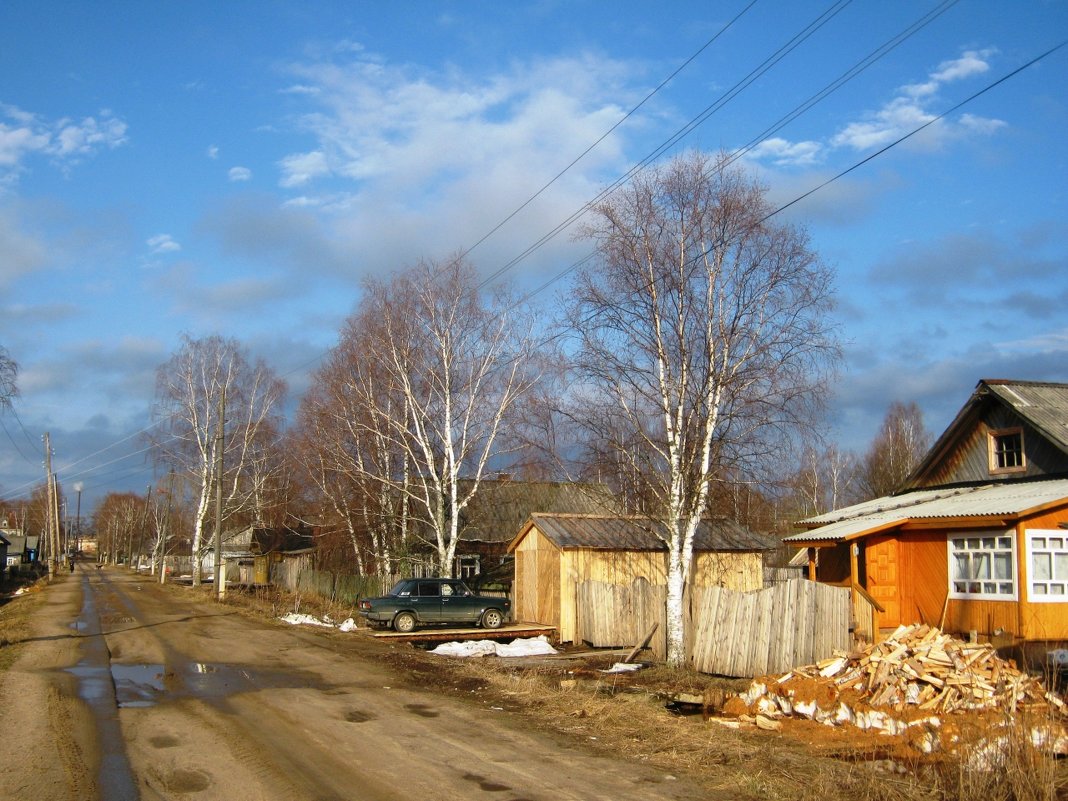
137,685
145,685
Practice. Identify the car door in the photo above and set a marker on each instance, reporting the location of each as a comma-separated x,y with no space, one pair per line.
458,605
427,601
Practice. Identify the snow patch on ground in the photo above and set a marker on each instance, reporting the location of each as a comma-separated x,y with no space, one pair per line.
532,646
311,620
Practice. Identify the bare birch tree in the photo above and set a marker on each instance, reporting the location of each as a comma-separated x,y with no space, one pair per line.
189,388
339,455
444,366
9,371
702,337
898,447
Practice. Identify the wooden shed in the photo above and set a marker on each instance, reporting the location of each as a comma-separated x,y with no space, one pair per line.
555,554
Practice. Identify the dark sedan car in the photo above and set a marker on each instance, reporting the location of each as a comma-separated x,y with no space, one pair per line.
417,602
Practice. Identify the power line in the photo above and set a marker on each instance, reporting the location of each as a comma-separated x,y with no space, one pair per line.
831,180
608,133
792,44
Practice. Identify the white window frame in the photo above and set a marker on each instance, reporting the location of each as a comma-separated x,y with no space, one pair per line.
468,565
977,543
992,446
1053,542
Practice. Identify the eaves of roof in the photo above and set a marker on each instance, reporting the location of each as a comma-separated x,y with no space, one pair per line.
979,503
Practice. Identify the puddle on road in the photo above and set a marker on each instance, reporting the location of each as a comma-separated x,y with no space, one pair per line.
146,685
137,685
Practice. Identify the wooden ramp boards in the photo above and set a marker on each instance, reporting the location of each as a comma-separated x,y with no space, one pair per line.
441,634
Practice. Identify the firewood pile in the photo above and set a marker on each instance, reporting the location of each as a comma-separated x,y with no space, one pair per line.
915,676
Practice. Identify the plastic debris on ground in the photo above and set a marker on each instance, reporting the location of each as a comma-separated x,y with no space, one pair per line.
623,667
531,646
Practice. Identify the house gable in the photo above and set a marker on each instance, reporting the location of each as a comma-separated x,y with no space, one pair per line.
1008,430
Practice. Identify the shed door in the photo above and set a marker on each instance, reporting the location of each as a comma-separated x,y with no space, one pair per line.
881,559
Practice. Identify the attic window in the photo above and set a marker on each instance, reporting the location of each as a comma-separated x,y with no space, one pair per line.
1006,451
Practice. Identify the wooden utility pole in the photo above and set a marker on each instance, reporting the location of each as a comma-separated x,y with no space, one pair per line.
220,574
49,513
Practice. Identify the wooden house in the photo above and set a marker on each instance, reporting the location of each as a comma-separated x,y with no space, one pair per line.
503,504
250,552
554,554
976,540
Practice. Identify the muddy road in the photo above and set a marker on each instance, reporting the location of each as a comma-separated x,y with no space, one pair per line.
126,690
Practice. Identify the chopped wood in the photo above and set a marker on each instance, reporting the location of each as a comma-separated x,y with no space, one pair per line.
917,667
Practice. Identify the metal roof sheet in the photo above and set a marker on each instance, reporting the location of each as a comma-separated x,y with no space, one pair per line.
609,532
1044,405
1008,499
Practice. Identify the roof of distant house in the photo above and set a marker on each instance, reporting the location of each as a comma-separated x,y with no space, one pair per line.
613,532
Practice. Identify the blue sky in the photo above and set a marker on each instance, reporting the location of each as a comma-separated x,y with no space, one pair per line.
237,168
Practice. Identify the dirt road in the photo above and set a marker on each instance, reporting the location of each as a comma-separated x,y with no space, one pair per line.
126,690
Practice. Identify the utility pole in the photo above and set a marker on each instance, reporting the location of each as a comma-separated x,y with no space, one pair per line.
220,574
78,519
49,515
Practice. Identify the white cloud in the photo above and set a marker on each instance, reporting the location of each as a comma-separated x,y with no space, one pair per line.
163,243
301,168
784,153
213,152
910,109
299,89
405,163
23,135
377,122
240,174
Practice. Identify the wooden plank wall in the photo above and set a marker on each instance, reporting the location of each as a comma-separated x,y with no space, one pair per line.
732,633
768,631
620,615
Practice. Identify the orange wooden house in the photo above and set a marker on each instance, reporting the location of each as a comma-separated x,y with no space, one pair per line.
977,538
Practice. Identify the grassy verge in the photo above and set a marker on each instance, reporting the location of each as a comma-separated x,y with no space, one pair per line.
16,613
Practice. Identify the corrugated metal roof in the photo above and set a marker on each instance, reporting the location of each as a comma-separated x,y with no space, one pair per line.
1009,500
615,533
501,506
1044,405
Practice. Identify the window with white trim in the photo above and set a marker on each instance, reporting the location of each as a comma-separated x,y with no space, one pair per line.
1047,573
1007,451
468,566
982,566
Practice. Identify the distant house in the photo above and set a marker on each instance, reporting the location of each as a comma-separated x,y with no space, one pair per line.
250,552
976,540
554,554
21,549
4,544
501,506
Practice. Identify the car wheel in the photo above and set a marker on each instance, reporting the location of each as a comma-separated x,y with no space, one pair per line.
492,619
404,622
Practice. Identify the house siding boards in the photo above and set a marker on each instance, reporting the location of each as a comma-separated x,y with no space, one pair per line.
969,461
961,453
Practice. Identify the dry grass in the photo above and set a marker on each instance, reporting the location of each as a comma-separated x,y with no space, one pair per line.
15,615
806,762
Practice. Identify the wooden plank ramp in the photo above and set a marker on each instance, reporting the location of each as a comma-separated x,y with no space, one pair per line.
442,634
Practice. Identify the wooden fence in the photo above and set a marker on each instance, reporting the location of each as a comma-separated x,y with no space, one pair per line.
731,633
617,615
768,631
